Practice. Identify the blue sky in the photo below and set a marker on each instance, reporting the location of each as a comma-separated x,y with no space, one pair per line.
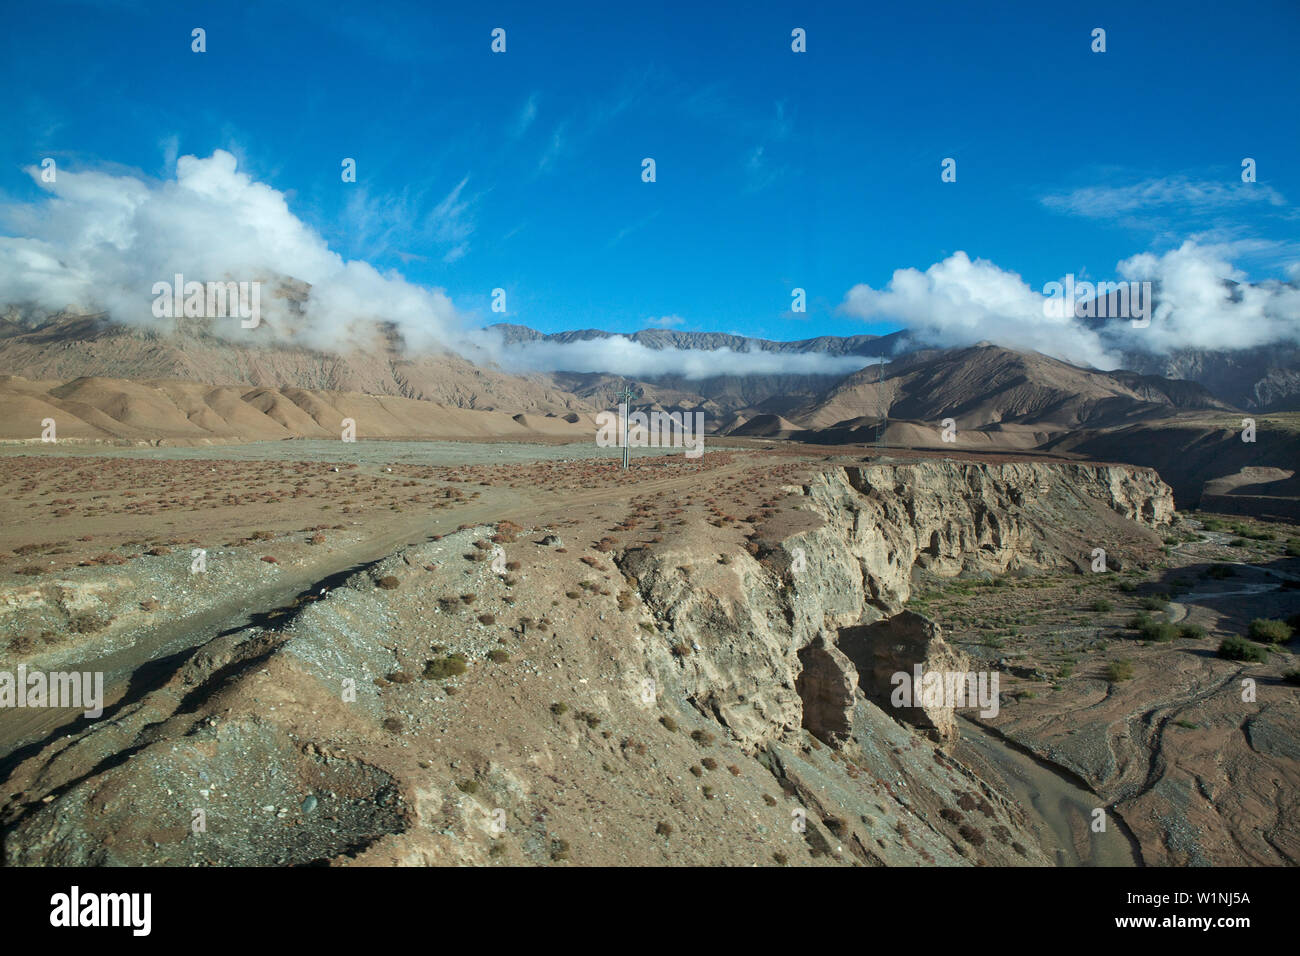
774,169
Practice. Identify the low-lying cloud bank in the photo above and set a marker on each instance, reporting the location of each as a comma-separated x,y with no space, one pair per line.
100,242
619,355
1201,301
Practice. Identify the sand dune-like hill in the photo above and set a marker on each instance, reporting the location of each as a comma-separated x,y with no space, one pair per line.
1255,481
766,426
112,409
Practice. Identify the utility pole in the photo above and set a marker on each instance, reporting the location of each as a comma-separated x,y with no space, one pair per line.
624,408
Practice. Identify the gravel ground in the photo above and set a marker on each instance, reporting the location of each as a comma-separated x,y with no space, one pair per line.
361,452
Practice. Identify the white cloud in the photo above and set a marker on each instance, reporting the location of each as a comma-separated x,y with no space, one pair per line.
526,116
553,149
1202,301
1180,192
100,242
619,355
958,302
452,222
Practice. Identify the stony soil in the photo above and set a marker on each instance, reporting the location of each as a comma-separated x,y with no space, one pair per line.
599,668
1200,775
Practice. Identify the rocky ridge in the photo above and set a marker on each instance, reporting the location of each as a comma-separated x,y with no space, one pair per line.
753,656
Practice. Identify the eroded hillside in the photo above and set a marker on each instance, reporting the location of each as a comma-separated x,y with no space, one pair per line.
655,680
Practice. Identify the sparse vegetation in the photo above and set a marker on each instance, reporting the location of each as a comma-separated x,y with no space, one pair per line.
1119,670
87,623
1240,649
1159,631
443,668
1269,631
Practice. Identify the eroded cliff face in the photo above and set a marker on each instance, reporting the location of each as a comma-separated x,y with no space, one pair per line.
690,684
742,625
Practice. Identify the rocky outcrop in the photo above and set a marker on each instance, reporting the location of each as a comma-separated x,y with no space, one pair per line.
743,624
886,655
827,685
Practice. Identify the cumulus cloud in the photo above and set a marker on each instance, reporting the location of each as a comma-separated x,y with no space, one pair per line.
100,242
959,302
1201,301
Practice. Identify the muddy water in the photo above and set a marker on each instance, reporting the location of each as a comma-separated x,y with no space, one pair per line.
1061,807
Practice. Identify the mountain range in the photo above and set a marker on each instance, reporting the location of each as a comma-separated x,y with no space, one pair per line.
104,380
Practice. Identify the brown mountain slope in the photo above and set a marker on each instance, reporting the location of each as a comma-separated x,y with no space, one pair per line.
986,386
159,410
71,347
